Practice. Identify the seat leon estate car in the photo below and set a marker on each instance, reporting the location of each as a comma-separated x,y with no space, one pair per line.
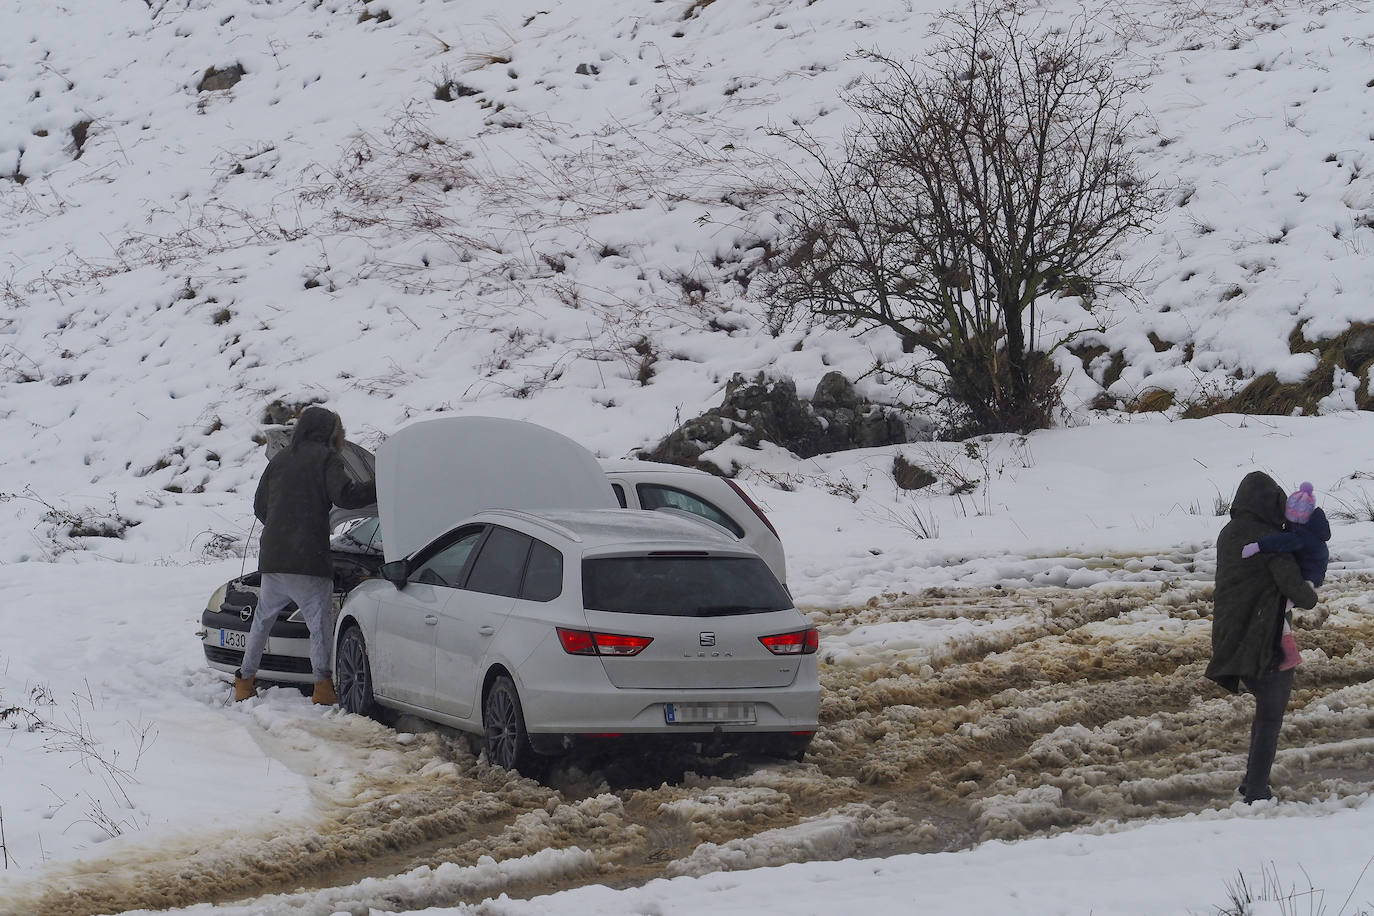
559,618
356,552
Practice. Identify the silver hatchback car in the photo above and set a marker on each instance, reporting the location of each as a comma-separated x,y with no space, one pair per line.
559,618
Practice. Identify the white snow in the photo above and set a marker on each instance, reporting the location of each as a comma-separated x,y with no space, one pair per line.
207,253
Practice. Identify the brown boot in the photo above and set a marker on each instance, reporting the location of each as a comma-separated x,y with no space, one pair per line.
324,694
245,688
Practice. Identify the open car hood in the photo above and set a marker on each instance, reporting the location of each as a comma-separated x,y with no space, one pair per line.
433,474
358,462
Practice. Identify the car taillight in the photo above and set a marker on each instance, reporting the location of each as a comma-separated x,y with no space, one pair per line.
753,505
583,642
613,644
802,642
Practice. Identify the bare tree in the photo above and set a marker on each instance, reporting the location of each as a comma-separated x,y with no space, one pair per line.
997,171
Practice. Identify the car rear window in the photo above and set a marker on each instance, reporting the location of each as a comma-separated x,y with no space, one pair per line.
681,586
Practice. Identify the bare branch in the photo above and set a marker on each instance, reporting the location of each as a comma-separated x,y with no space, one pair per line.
993,173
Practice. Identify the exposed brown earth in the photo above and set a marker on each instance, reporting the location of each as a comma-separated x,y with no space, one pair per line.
1060,709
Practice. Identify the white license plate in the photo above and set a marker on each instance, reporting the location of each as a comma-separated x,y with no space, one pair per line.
233,639
709,713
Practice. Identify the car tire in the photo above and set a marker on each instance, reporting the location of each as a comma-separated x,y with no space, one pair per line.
503,720
354,674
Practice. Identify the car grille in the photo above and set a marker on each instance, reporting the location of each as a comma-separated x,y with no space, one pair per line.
284,663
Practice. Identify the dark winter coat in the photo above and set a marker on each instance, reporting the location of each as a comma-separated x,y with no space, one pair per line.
301,484
1306,541
1252,594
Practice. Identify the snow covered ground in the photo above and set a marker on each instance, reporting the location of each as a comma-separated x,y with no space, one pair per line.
1011,656
1091,759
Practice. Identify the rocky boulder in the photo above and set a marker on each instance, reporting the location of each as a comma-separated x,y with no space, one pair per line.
762,409
217,80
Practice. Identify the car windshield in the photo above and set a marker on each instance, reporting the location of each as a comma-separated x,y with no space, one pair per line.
681,586
363,534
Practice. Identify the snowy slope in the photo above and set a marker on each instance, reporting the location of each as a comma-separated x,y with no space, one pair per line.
570,223
546,211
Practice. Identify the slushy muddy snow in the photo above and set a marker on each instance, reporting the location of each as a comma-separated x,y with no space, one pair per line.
950,717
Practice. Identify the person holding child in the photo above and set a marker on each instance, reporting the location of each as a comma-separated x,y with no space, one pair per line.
1306,537
1250,607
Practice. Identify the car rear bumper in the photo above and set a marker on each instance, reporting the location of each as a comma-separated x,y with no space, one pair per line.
708,743
641,712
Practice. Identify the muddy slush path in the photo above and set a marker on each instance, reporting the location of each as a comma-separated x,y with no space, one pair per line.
1044,710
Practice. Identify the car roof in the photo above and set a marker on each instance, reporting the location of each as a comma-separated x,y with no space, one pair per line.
630,465
597,529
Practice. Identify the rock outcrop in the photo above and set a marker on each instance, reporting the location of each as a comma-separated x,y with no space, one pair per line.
762,409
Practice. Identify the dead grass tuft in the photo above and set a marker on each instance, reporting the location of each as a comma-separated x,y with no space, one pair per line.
1265,394
1151,400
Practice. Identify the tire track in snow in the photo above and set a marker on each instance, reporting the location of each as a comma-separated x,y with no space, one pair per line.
1050,709
397,796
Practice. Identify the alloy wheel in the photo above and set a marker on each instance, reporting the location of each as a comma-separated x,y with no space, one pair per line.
354,675
503,727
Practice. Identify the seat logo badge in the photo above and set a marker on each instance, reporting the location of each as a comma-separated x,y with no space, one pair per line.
707,639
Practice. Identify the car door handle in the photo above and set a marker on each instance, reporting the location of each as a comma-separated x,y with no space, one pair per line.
431,620
486,631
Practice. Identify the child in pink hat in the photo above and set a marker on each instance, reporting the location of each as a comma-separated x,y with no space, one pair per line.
1306,537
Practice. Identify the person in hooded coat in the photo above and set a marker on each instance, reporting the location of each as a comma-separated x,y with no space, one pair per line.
1249,606
1306,537
301,484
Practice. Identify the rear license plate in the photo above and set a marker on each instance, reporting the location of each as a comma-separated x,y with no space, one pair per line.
233,639
709,713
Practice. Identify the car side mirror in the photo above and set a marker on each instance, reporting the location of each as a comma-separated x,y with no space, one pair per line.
397,572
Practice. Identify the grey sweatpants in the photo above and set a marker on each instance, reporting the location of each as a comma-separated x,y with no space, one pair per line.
314,596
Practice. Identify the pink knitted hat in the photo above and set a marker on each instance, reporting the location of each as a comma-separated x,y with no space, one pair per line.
1300,504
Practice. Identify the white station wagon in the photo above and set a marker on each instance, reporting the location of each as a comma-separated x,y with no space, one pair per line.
356,553
520,603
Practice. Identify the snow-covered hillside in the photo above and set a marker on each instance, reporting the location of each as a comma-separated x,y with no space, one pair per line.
413,206
213,212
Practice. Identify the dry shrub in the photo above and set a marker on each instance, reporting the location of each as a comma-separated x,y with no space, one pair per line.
1151,400
978,178
1265,394
1210,402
